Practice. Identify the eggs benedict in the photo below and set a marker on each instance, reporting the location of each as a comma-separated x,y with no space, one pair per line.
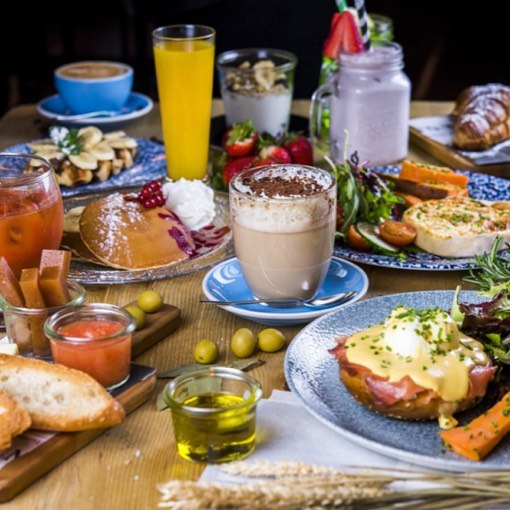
417,365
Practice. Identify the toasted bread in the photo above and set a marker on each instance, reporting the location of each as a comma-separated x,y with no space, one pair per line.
458,226
14,419
56,397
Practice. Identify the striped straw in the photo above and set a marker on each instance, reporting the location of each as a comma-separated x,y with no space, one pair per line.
341,5
363,23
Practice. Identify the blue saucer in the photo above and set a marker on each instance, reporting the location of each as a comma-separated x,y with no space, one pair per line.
137,106
225,282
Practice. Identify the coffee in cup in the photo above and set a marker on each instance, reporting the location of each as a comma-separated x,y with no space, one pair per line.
94,85
283,219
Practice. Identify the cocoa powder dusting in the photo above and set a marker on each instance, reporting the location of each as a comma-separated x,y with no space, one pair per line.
292,186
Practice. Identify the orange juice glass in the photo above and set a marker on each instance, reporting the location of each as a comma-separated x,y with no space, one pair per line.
31,210
184,58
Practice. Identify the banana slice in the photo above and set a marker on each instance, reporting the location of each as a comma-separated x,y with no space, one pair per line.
72,219
89,137
114,134
125,142
102,151
49,154
84,160
43,145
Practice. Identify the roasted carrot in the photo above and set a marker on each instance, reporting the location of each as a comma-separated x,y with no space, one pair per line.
421,172
476,439
409,200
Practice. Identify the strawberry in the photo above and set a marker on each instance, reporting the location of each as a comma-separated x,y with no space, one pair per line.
275,152
343,35
235,166
299,148
240,139
264,162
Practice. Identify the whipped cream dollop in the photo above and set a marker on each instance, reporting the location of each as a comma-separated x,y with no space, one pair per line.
192,201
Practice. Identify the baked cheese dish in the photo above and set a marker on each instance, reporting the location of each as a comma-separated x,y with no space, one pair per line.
458,226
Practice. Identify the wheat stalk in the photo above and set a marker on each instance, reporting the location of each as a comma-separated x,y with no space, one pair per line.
296,485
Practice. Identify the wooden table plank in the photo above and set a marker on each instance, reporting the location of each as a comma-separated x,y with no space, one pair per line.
121,468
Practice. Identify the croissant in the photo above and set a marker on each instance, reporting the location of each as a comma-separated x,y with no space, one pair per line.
482,117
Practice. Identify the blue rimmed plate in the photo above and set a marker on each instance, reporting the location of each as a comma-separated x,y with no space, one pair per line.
225,282
481,187
136,106
313,376
149,164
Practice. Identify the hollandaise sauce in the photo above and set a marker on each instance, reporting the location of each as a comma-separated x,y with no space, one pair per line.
425,345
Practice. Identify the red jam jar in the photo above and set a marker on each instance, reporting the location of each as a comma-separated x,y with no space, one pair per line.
95,339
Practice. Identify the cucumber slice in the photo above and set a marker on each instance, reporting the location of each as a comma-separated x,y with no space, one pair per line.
370,233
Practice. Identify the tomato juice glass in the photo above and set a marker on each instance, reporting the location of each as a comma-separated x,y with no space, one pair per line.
31,210
95,339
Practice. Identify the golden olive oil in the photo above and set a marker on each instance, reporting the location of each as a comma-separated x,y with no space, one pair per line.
216,428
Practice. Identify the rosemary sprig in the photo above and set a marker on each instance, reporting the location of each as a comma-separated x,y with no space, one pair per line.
489,269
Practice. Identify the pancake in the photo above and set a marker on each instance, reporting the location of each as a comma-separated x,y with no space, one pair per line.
122,233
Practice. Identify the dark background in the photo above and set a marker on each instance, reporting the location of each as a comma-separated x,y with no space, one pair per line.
447,44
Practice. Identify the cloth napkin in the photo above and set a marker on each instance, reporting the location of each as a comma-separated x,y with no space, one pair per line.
286,431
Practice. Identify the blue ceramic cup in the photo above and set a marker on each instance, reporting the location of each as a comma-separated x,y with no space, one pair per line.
92,86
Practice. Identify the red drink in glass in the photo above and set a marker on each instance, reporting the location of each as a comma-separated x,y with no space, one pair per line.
31,212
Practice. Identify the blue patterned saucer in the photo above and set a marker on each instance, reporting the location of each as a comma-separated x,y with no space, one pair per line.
225,282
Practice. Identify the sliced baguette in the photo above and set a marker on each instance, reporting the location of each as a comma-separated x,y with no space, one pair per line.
457,226
56,397
14,419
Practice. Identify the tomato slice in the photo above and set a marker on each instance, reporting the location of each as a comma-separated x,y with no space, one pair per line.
397,232
356,240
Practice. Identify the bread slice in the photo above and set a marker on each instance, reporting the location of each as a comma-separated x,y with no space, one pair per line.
458,226
14,419
57,397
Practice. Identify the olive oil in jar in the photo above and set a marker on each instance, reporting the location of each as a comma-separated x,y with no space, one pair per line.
215,427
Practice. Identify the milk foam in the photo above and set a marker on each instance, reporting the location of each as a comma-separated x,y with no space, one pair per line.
284,214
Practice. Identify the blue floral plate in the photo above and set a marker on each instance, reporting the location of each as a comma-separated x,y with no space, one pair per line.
481,186
136,106
149,164
225,282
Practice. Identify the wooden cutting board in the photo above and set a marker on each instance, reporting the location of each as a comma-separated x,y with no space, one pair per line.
17,474
435,134
159,325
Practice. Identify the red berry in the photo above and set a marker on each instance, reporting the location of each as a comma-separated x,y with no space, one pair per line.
240,139
236,166
151,196
300,149
275,152
264,162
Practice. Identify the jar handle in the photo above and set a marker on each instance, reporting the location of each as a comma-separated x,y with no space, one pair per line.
319,117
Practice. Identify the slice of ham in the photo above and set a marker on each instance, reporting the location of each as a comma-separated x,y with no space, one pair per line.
387,393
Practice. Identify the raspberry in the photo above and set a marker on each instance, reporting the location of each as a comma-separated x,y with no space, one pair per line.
151,196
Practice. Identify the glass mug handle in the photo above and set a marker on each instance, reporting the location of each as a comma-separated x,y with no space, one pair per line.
319,117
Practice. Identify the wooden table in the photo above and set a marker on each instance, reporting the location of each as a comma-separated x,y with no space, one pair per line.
121,468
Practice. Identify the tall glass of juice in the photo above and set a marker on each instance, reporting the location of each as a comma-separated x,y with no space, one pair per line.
31,210
184,58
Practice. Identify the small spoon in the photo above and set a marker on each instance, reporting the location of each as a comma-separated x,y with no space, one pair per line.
90,115
289,302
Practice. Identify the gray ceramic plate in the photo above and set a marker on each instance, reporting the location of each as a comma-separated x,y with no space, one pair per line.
312,374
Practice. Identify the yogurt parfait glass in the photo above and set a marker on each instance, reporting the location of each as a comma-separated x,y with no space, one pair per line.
257,84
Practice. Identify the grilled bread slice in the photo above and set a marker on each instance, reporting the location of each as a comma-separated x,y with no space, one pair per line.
57,397
458,226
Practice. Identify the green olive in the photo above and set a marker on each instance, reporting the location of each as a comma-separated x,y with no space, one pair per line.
271,340
206,352
138,314
243,343
150,301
